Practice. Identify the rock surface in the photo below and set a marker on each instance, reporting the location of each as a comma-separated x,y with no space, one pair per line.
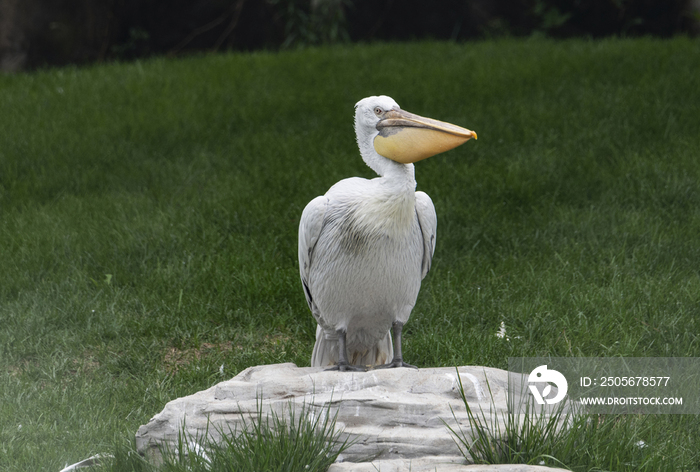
395,416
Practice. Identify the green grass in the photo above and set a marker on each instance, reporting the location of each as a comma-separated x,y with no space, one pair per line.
295,440
148,218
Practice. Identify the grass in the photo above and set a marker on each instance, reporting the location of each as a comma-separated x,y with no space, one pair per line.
304,442
148,218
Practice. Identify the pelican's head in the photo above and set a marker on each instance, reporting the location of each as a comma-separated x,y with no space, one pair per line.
383,128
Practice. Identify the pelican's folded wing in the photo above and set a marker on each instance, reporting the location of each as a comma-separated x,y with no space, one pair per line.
428,226
310,227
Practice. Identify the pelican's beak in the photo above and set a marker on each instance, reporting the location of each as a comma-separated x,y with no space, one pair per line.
406,138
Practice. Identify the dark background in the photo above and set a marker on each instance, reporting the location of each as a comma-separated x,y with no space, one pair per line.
40,33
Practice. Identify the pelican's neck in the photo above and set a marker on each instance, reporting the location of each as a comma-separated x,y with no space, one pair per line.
402,175
400,178
389,207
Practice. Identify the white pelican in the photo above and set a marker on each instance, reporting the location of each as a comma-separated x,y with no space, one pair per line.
365,246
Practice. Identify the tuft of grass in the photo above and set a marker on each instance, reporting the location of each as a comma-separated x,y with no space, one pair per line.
299,440
567,438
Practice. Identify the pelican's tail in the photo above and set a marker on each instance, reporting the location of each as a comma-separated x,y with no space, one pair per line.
326,351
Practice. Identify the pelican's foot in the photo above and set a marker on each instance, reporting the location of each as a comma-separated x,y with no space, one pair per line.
395,363
346,367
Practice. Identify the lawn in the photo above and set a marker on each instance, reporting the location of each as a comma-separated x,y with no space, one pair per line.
149,210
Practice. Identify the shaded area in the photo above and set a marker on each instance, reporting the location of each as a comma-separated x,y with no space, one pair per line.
38,33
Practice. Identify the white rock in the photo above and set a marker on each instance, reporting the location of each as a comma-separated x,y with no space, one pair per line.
395,416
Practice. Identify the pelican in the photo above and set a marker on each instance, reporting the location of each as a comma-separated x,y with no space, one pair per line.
366,245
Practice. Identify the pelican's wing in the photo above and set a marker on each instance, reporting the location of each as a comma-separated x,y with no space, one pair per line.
428,226
310,227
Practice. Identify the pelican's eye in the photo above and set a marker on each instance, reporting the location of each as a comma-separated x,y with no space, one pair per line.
378,111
